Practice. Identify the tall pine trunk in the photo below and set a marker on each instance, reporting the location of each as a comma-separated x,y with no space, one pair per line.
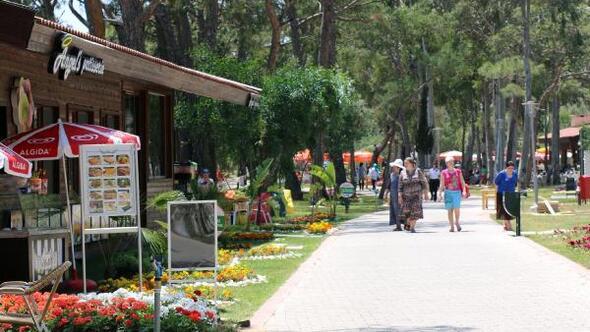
555,127
527,150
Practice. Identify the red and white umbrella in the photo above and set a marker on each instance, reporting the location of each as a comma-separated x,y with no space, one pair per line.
63,138
456,155
13,163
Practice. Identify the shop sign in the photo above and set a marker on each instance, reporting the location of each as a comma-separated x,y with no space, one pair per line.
23,106
253,100
108,175
66,59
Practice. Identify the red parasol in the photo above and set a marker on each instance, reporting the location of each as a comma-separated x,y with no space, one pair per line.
53,141
13,163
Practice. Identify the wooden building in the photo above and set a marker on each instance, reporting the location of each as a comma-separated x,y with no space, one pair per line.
115,87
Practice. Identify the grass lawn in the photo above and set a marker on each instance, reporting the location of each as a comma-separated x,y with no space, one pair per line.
251,297
571,215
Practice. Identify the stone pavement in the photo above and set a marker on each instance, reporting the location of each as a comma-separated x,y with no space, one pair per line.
367,278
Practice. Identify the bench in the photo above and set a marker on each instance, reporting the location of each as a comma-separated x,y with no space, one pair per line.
486,194
34,317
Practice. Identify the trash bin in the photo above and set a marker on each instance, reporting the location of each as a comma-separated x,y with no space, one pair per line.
584,187
512,206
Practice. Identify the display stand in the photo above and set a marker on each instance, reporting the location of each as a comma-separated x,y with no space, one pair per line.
124,184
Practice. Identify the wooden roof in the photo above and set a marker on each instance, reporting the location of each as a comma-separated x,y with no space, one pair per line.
122,60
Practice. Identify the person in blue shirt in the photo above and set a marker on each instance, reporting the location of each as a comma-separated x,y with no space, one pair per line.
505,181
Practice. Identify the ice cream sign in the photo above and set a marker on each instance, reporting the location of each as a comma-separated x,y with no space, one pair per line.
66,59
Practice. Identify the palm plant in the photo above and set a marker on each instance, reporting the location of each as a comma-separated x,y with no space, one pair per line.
256,184
326,181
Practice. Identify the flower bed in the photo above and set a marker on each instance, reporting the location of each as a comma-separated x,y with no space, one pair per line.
118,311
267,250
577,237
246,236
228,275
292,227
321,227
316,217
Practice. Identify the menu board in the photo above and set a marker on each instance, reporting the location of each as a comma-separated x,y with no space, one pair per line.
108,175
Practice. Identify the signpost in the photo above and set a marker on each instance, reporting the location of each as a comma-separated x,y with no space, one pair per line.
347,191
109,188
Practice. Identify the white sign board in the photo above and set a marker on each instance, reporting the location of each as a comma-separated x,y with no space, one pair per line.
192,235
108,177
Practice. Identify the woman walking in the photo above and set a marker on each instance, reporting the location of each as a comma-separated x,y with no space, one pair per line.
505,182
362,174
394,207
454,187
413,186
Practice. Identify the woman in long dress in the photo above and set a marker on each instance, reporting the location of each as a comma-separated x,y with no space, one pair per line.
394,208
413,186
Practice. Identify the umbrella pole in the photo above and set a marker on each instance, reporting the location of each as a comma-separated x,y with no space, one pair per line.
68,211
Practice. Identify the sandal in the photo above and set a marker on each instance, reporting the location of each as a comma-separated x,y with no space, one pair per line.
458,228
452,230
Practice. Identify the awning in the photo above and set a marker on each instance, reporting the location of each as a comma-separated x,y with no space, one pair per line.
566,133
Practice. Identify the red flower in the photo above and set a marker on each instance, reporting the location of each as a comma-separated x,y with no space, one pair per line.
134,316
6,326
57,312
197,292
128,323
210,314
148,316
79,321
24,328
195,316
139,305
63,322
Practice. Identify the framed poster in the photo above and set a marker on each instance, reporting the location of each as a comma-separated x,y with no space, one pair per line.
108,178
192,235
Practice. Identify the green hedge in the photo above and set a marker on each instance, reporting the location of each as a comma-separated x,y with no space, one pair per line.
585,137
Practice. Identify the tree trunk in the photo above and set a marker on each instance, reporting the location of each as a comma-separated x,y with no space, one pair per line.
555,127
208,22
275,43
352,166
338,161
407,145
387,170
500,131
95,18
380,147
167,47
131,32
468,157
327,49
527,149
511,144
296,44
184,35
489,140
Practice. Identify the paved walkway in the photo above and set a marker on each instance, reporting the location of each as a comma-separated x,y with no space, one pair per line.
367,278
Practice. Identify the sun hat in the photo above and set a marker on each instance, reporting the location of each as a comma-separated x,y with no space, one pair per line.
398,163
449,158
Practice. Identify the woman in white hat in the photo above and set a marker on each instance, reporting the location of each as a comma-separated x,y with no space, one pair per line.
394,213
453,184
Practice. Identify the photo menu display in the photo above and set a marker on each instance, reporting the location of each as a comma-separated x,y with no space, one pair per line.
108,179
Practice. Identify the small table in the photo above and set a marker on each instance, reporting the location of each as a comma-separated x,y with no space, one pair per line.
486,194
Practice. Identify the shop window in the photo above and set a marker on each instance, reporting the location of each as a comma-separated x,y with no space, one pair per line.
109,119
131,103
156,135
47,116
81,116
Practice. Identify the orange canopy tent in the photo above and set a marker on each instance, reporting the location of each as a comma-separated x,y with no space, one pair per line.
304,156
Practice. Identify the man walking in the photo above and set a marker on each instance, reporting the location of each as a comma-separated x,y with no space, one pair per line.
434,181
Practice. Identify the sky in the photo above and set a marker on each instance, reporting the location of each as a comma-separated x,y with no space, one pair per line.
65,16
